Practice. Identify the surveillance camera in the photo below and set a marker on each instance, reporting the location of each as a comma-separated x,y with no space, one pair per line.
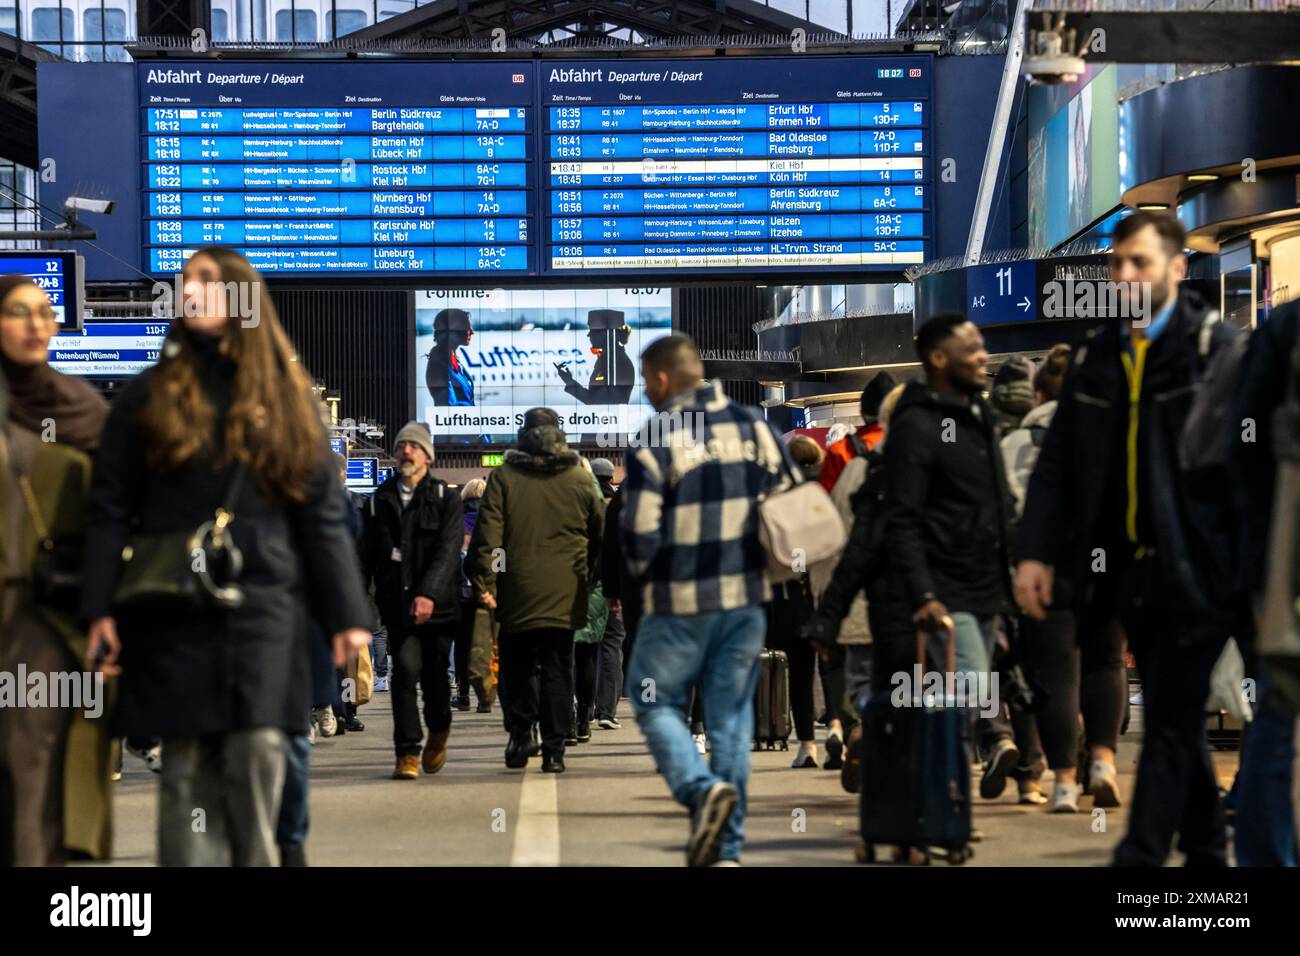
1051,62
80,204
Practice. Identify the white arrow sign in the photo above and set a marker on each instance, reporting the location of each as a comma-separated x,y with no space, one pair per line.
1025,304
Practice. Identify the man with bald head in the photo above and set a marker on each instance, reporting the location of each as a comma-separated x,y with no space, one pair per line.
690,534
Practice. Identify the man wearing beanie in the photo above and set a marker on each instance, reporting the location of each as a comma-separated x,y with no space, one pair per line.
411,550
534,555
866,438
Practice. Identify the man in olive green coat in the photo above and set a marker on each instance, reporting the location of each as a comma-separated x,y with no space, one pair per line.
535,552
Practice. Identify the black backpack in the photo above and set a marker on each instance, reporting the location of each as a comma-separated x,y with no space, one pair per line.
868,504
1207,438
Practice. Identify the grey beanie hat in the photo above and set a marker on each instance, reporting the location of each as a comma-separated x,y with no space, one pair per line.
418,434
602,468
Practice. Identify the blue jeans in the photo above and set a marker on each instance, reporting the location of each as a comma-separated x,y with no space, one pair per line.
974,638
294,816
719,652
1266,829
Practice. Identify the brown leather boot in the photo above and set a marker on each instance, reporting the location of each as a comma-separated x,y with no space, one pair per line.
408,767
435,752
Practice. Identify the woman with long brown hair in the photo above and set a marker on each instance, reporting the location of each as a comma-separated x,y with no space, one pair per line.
221,440
54,760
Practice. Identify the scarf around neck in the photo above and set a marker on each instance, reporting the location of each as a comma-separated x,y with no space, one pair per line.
39,395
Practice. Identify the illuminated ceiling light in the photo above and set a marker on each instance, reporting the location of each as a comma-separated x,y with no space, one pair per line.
1202,177
1153,206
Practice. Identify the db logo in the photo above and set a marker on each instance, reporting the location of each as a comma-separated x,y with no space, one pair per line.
519,77
914,71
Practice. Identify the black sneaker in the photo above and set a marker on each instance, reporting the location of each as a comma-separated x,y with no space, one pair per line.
711,815
462,703
552,763
484,707
834,752
1002,760
352,724
584,733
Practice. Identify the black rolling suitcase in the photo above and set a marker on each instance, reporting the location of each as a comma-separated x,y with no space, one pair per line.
772,701
916,774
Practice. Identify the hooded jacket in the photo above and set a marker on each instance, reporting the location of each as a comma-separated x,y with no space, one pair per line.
947,505
536,543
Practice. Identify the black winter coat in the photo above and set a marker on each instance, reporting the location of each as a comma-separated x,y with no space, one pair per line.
428,534
1075,502
216,671
947,507
618,582
1261,390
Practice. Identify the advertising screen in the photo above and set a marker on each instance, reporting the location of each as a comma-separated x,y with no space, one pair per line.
340,168
484,357
1074,157
781,163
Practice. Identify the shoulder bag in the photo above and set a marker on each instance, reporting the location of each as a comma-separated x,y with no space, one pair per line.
174,571
799,527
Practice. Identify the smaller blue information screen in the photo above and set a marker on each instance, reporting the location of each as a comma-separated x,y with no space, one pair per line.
362,472
108,349
56,273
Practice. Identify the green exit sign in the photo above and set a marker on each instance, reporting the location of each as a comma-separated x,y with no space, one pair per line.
493,461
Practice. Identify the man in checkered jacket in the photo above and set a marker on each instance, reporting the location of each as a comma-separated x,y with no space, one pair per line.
690,534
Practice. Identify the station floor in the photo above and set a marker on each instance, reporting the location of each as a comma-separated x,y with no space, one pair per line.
609,809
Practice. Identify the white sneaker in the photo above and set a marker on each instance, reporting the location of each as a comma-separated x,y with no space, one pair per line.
1065,798
325,720
1102,784
805,756
381,685
702,743
311,732
152,757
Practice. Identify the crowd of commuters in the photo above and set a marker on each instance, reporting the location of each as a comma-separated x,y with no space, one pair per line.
1045,520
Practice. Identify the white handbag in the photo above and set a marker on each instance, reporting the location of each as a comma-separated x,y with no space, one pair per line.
798,528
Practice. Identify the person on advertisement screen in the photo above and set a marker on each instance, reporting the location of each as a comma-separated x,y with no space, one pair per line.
613,374
448,380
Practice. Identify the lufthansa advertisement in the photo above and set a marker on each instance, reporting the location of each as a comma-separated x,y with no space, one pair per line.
484,357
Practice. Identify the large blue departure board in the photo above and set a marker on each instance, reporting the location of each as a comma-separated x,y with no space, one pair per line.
590,168
736,163
341,168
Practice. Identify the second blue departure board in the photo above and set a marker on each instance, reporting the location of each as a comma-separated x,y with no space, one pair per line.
545,167
341,168
736,163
